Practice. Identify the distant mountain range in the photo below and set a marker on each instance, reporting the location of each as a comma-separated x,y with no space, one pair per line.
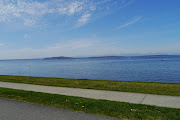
57,58
104,57
112,57
62,57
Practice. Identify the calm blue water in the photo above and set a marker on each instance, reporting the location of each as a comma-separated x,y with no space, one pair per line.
127,69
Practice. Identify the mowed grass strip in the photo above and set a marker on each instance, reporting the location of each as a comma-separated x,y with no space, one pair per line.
101,107
172,89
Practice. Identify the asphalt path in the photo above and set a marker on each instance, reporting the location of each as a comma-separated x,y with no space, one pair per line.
16,110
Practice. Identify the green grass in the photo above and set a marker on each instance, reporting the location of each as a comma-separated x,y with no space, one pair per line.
102,107
172,89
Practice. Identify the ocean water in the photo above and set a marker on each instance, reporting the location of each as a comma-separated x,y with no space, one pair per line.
146,69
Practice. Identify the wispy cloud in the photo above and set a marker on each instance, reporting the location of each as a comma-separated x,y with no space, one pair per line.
131,22
83,20
27,36
1,44
31,12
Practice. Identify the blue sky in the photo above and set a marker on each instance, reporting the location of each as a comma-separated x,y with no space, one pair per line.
46,28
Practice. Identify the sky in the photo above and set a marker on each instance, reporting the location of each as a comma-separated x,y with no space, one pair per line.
77,28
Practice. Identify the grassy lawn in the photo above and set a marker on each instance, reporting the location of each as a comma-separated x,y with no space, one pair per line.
102,107
172,89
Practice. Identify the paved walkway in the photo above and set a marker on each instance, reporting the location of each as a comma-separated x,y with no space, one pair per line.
138,98
16,110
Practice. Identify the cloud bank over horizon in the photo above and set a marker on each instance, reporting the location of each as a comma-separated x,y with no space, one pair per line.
86,47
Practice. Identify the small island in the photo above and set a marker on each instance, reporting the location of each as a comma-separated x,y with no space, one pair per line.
57,58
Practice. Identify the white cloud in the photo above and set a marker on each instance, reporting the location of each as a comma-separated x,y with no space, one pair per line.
75,7
27,36
129,23
84,19
31,12
1,44
75,44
